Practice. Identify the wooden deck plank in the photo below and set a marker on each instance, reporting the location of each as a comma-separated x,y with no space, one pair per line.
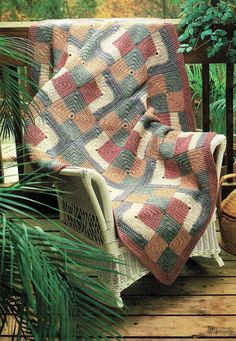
45,224
226,256
202,286
180,326
180,305
10,328
205,264
209,268
201,304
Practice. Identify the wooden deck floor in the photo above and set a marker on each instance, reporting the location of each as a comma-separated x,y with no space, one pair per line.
201,304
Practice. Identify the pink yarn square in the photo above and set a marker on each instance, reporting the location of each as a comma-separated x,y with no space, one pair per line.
178,210
90,91
109,151
182,144
171,169
124,44
34,135
64,84
151,216
147,47
132,142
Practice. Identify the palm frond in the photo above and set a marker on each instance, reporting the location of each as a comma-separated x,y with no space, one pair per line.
17,48
44,281
14,108
46,276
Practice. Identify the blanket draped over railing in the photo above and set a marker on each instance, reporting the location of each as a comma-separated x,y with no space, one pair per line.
114,97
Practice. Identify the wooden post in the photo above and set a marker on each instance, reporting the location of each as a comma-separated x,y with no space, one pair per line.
205,97
229,115
18,131
1,166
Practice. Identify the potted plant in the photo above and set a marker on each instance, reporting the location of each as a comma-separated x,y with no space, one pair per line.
42,284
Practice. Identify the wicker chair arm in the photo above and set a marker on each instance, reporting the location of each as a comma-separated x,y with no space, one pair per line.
218,145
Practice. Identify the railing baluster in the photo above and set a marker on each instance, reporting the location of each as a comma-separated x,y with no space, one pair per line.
229,115
1,166
205,97
18,131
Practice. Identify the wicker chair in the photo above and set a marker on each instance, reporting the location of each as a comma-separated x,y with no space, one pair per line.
86,208
86,203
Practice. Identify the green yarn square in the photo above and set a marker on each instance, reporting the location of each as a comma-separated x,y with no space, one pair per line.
80,75
184,164
159,103
173,81
168,228
134,59
124,160
138,32
167,150
167,260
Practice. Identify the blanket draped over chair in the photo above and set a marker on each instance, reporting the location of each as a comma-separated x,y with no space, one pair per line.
114,97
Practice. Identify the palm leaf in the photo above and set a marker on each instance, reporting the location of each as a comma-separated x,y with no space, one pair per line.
44,282
40,271
14,108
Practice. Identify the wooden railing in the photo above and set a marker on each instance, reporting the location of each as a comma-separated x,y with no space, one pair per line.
20,29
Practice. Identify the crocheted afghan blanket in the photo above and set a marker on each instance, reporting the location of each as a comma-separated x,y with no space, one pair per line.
114,97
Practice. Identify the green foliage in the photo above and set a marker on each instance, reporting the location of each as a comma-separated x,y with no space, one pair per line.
39,10
13,86
43,279
161,8
201,25
81,9
217,94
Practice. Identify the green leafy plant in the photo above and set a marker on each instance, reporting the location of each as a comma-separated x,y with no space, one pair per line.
204,23
161,8
15,97
217,94
44,281
15,10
